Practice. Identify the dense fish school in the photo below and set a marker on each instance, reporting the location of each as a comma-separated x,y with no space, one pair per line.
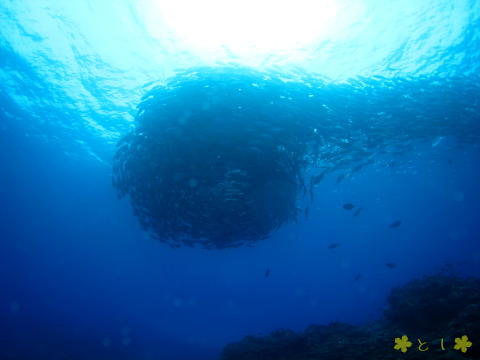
218,157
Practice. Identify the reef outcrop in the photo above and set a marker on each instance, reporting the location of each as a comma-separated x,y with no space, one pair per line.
436,317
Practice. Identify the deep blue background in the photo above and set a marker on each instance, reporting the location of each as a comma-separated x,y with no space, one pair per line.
76,270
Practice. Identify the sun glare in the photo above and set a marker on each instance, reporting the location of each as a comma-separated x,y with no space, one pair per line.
247,26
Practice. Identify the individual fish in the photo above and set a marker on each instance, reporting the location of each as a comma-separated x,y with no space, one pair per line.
348,206
395,224
358,211
267,273
340,178
307,211
316,179
357,168
333,246
438,141
357,277
391,265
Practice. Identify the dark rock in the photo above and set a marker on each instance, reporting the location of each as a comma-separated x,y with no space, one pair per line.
435,310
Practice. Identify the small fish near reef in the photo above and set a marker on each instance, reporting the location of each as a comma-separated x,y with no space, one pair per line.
333,246
348,206
395,224
390,265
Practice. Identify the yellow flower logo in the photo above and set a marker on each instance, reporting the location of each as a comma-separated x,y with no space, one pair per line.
462,344
402,344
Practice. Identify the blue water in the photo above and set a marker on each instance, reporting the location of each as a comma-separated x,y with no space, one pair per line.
79,277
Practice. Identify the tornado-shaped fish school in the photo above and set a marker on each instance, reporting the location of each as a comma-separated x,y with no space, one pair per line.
218,157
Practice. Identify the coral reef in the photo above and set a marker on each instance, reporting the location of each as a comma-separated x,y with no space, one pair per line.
434,313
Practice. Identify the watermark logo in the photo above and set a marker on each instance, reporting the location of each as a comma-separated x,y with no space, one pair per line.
462,343
403,344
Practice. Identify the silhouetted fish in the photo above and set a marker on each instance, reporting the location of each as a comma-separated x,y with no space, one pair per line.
340,178
358,211
395,224
316,179
357,277
390,265
357,168
311,192
348,206
307,211
267,273
333,245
